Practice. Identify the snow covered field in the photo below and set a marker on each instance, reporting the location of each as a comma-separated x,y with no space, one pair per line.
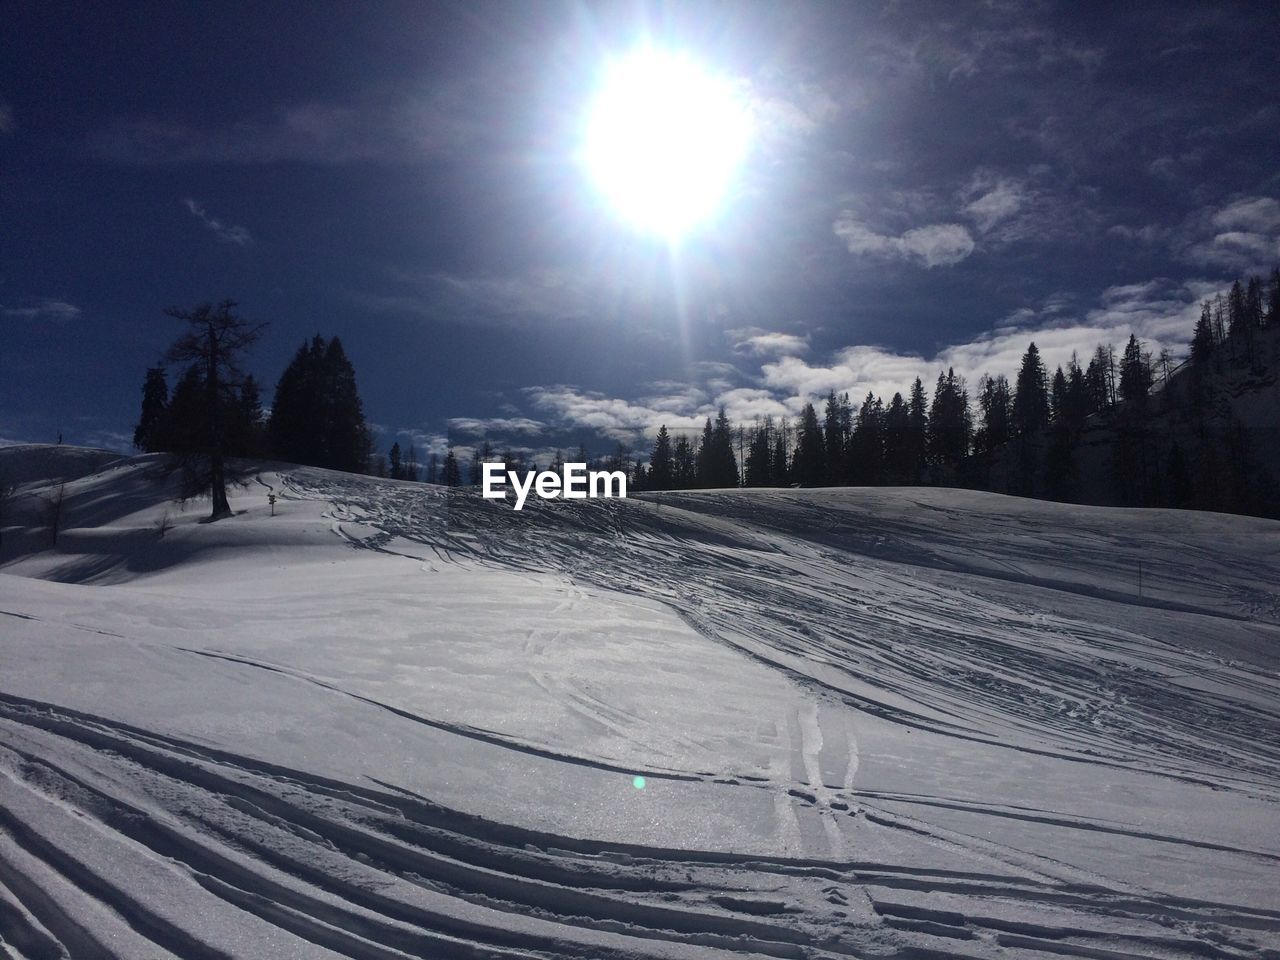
395,720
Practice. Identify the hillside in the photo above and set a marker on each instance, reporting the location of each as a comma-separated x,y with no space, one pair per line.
398,720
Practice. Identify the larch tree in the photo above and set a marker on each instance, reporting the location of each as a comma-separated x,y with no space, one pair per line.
215,342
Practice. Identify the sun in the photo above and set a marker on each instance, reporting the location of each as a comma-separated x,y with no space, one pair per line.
665,138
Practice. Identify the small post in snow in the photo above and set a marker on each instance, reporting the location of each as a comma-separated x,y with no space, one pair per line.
271,499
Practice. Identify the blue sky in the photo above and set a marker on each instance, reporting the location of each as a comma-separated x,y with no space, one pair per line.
929,184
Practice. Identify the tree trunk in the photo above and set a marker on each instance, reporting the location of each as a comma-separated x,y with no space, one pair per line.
217,469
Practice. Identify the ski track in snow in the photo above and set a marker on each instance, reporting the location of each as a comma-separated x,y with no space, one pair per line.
367,872
877,624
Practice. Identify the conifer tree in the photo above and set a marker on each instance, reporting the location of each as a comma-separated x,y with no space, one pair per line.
724,468
684,464
779,464
759,466
1135,378
1202,342
660,462
1058,396
835,434
1030,398
1077,408
811,453
317,417
215,343
155,405
950,422
917,431
452,473
994,404
897,461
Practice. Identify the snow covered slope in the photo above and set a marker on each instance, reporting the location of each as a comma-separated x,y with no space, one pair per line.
396,720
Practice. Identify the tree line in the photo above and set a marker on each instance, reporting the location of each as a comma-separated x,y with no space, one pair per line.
1168,440
1024,437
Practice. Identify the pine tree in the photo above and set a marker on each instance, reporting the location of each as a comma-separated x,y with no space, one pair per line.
1135,378
317,417
835,434
155,405
347,441
917,432
1058,396
1202,342
183,427
1077,409
1060,463
897,451
452,473
246,431
1030,399
811,453
684,464
867,443
1237,320
994,404
1131,461
950,422
705,456
660,462
724,463
393,462
758,470
780,464
1098,379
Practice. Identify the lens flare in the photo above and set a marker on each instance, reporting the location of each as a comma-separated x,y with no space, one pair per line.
638,782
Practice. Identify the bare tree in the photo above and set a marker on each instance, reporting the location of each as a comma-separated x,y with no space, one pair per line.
215,343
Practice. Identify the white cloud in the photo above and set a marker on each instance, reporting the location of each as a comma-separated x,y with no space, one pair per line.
989,199
1160,312
618,419
1242,237
767,343
939,244
1257,214
482,426
228,233
56,311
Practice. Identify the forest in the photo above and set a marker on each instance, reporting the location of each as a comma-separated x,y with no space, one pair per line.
1124,427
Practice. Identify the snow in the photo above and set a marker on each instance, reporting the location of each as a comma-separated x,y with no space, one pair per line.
396,720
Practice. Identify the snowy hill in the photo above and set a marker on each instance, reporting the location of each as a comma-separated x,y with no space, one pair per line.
396,720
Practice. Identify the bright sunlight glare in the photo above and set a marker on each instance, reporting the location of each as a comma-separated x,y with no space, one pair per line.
664,140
